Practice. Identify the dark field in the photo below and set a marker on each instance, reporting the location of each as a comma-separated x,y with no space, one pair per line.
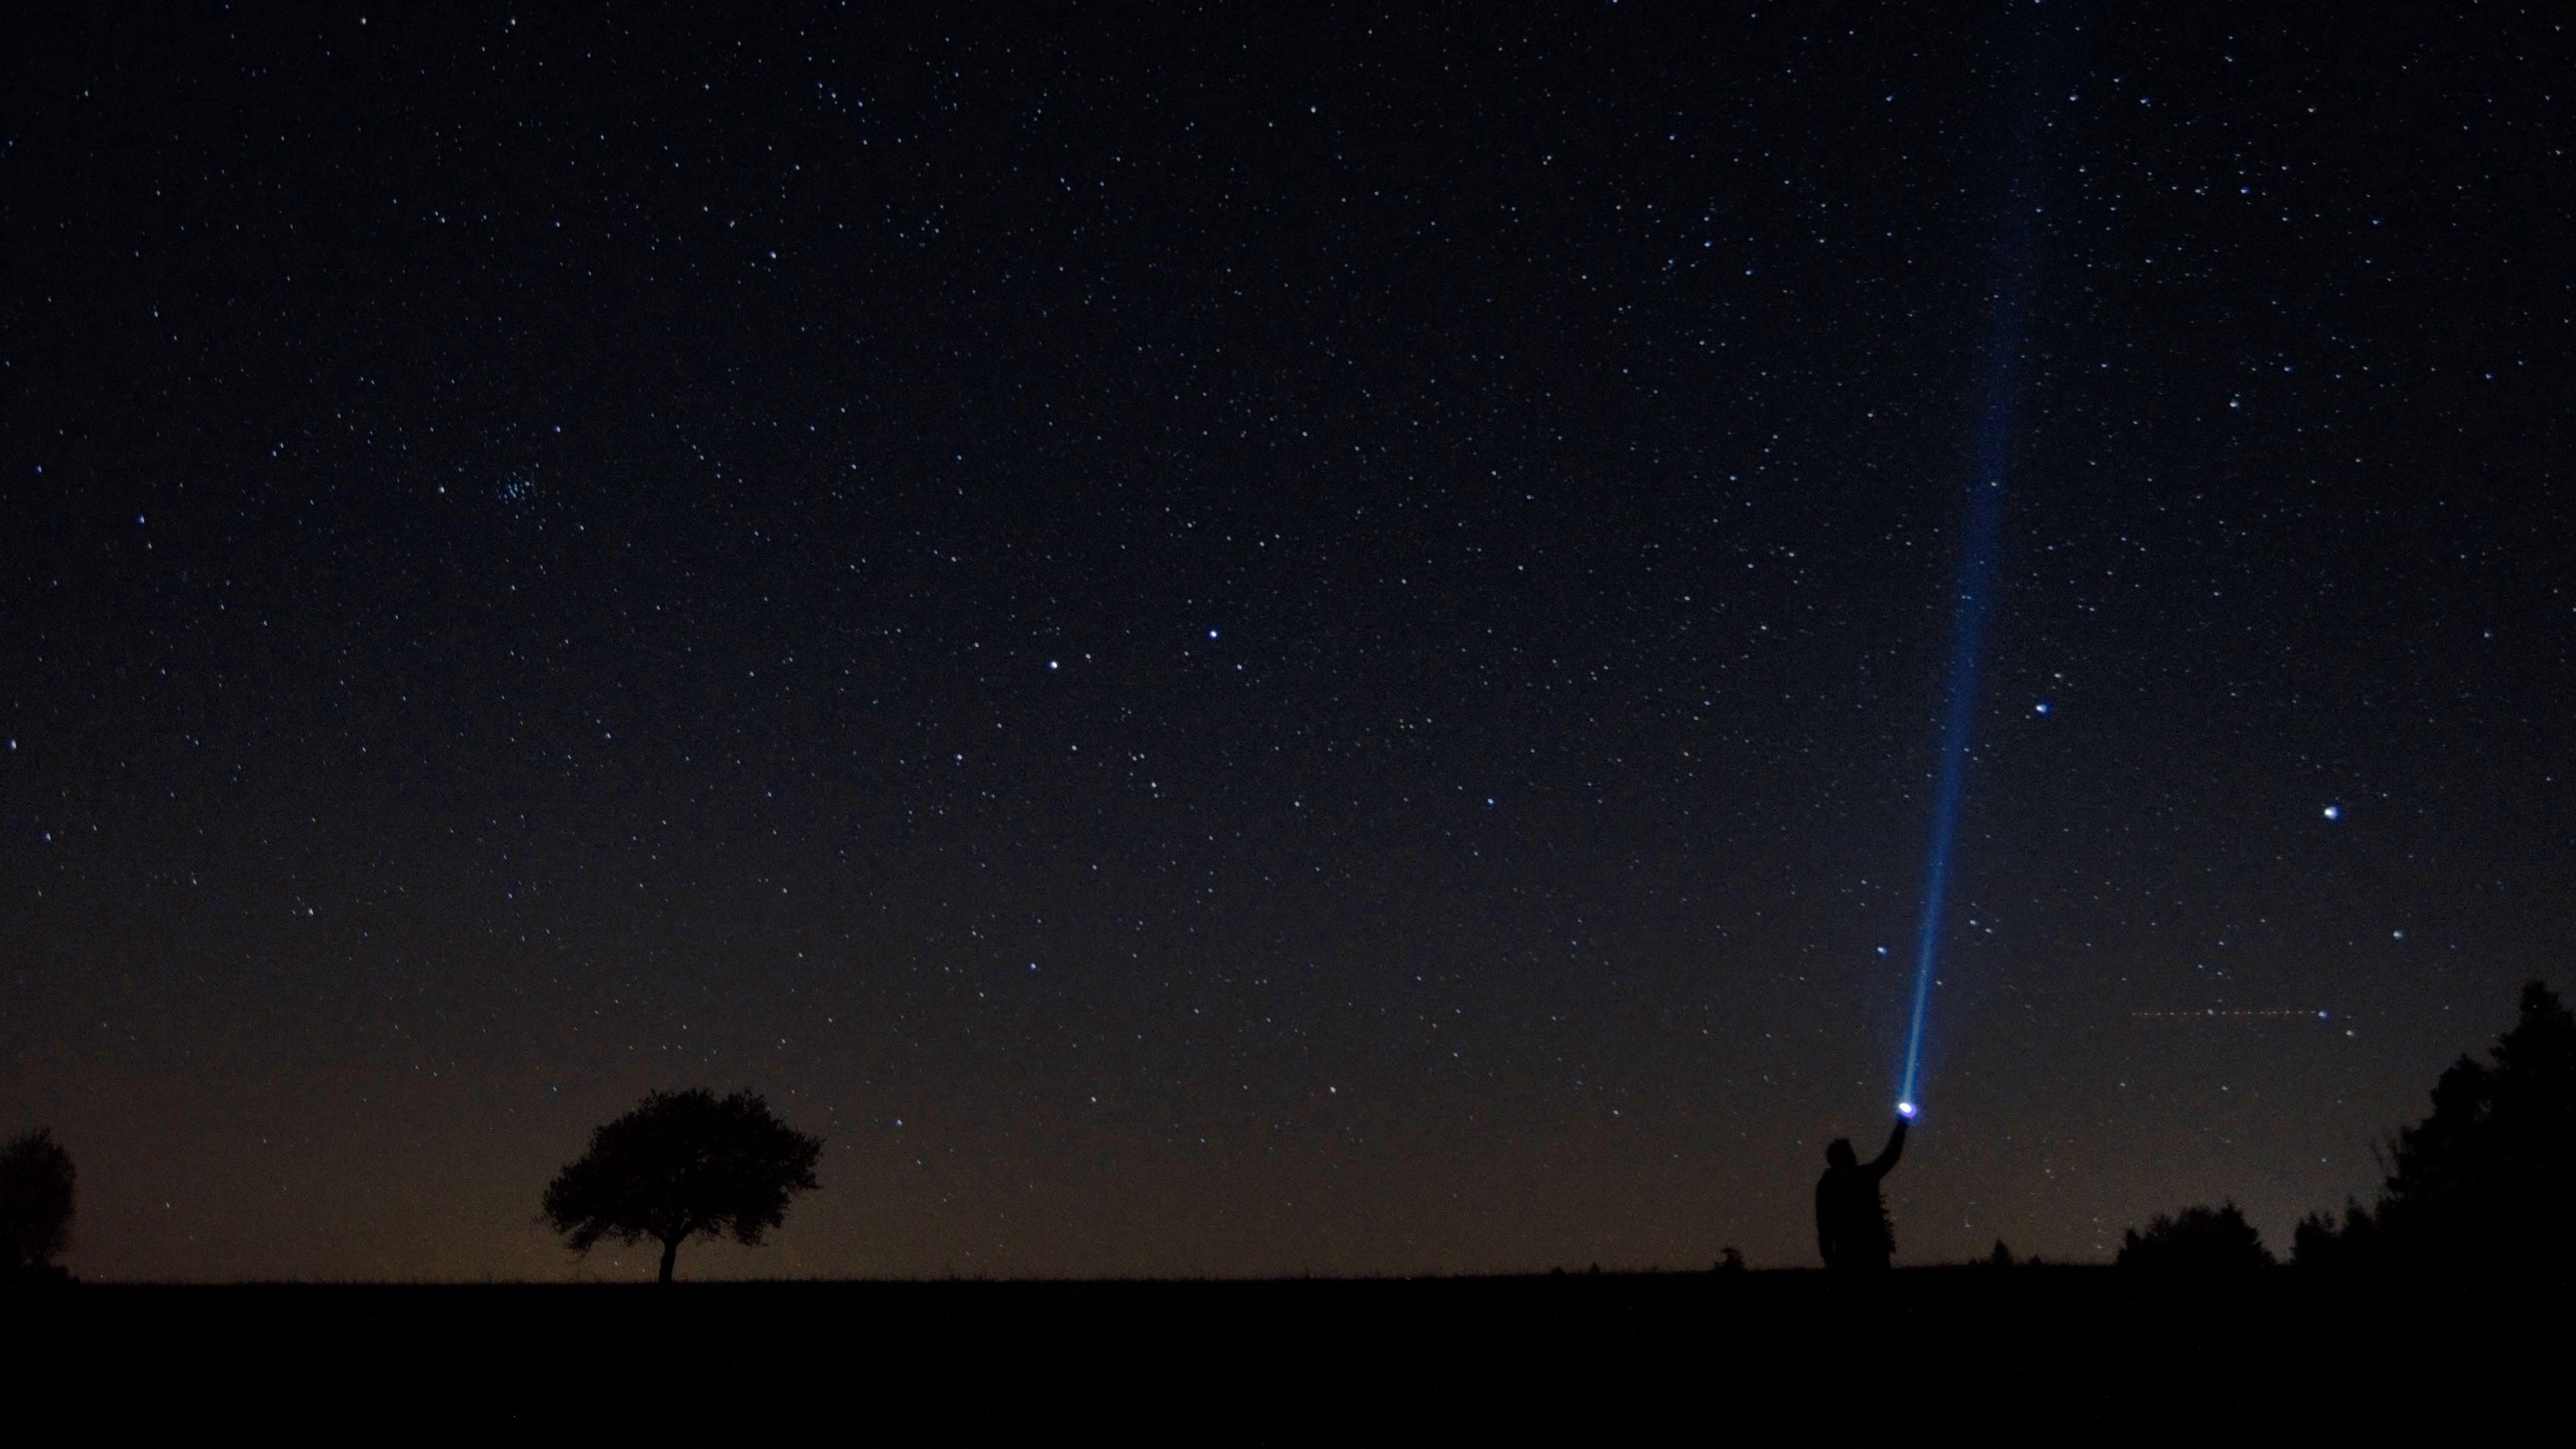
1575,1356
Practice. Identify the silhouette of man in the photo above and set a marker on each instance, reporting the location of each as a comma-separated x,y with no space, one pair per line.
1852,1230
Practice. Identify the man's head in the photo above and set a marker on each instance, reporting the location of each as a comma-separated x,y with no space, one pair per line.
1839,1153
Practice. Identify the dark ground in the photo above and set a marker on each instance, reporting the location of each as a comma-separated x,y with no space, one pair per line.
1578,1356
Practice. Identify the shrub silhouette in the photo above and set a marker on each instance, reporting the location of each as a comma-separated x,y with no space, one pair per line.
683,1165
2196,1240
35,1203
2489,1179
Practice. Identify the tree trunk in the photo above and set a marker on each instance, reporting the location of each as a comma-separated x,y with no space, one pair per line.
670,1254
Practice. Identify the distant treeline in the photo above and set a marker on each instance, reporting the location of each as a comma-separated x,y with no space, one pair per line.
2486,1183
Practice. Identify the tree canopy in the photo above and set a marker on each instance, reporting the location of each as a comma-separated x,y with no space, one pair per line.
2489,1178
35,1202
682,1165
2197,1239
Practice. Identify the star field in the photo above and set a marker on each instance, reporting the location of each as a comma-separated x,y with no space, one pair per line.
1238,642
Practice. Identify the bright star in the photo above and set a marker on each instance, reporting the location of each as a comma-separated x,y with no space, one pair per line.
2334,812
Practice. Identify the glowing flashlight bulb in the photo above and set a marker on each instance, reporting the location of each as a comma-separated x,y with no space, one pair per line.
1905,1110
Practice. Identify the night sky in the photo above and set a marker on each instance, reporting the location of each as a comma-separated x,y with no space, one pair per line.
1267,639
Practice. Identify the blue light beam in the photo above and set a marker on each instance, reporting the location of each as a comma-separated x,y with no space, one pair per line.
1967,651
1981,541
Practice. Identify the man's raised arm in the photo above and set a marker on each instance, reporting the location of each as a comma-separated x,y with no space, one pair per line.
1895,1149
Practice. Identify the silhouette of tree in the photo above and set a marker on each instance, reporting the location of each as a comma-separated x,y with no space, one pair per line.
683,1165
2321,1242
2196,1240
35,1203
2001,1257
2490,1177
